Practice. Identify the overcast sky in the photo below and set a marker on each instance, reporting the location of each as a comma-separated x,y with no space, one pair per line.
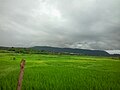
85,24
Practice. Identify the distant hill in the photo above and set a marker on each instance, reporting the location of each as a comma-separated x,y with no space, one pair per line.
72,51
4,48
115,55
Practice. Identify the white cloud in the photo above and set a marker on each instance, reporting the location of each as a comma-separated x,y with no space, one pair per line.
88,24
113,51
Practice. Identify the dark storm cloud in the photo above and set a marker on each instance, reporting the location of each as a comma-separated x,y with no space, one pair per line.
90,24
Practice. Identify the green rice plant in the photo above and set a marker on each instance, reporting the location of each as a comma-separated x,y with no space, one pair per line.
59,72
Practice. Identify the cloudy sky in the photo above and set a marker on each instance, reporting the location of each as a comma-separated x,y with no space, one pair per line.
86,24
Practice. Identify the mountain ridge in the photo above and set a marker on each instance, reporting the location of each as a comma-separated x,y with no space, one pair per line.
72,50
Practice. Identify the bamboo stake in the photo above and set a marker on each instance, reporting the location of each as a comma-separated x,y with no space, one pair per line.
22,64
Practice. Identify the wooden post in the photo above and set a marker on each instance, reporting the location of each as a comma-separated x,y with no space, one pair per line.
22,64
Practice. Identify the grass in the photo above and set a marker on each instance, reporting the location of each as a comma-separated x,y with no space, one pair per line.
60,72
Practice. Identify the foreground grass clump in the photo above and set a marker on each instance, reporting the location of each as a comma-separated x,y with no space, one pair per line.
60,72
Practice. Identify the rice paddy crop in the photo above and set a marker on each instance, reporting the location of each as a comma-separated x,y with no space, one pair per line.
60,72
